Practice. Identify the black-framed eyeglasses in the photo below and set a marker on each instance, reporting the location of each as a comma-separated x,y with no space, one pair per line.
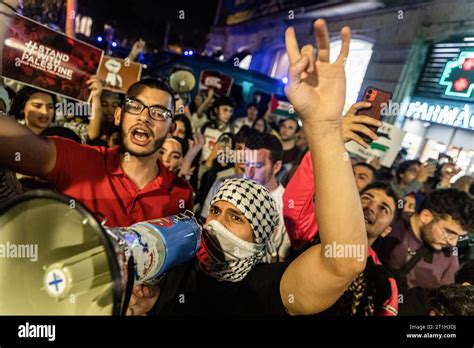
156,112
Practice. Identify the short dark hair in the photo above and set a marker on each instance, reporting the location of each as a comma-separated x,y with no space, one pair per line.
389,191
154,84
451,202
403,167
22,97
366,165
221,101
452,299
188,129
294,119
466,273
266,141
264,122
183,143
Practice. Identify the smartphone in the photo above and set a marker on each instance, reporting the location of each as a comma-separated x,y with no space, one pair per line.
377,97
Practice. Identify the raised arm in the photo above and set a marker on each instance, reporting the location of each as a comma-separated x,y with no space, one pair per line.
317,278
95,85
23,151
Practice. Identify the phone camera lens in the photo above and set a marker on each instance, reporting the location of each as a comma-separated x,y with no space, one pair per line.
369,91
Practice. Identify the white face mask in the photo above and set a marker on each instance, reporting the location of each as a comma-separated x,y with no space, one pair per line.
225,256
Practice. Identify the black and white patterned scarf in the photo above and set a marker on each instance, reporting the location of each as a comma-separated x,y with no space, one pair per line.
259,207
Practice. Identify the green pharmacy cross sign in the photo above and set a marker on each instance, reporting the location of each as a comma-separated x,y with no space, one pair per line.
458,76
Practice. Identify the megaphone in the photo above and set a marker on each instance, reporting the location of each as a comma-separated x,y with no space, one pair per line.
182,81
57,259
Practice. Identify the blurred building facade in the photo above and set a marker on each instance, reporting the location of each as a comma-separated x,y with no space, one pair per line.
400,46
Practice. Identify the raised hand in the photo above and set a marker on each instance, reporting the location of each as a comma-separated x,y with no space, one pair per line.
95,85
353,125
316,88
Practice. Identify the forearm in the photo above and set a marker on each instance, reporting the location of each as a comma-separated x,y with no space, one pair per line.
22,151
338,209
205,104
93,131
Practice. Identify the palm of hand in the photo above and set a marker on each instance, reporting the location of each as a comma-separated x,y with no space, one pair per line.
316,87
323,90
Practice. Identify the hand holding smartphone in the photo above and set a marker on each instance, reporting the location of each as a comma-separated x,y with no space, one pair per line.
378,98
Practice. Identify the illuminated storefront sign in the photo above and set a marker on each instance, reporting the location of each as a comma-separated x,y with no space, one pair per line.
458,76
461,116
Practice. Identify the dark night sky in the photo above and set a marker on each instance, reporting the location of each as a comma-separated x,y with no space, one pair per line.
147,18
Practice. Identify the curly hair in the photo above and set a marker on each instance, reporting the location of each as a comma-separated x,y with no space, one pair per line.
452,299
451,202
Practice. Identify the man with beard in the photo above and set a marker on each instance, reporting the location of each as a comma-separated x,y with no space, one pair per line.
374,291
228,277
421,249
288,129
125,184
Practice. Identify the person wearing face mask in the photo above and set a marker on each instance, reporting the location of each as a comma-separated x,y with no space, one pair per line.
228,277
420,250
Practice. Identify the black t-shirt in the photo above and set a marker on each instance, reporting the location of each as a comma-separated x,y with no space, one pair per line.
290,155
188,291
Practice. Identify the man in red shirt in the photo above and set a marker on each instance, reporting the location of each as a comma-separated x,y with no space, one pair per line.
123,185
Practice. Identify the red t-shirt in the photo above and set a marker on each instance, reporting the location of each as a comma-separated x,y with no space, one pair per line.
93,176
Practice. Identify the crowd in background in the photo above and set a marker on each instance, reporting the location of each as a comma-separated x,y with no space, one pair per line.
418,216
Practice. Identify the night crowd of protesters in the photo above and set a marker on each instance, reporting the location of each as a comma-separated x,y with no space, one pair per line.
274,187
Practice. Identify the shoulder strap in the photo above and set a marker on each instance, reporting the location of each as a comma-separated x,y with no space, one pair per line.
420,253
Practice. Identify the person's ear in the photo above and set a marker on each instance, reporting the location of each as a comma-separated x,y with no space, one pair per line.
277,166
426,217
117,115
387,231
172,128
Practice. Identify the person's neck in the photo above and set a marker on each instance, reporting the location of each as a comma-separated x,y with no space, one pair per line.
141,170
371,240
415,224
222,124
272,185
288,144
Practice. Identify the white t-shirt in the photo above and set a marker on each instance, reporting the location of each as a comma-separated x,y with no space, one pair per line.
196,122
242,121
280,238
210,139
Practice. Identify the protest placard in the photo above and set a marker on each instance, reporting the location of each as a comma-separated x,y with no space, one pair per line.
385,148
40,57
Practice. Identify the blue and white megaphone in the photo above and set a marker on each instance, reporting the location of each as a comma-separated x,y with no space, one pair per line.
57,259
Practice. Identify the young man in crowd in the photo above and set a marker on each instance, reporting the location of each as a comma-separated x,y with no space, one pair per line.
223,109
421,249
288,128
298,199
227,276
373,292
126,184
251,114
364,174
262,156
411,176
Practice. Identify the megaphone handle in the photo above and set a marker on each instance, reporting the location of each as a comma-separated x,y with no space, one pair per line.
130,282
